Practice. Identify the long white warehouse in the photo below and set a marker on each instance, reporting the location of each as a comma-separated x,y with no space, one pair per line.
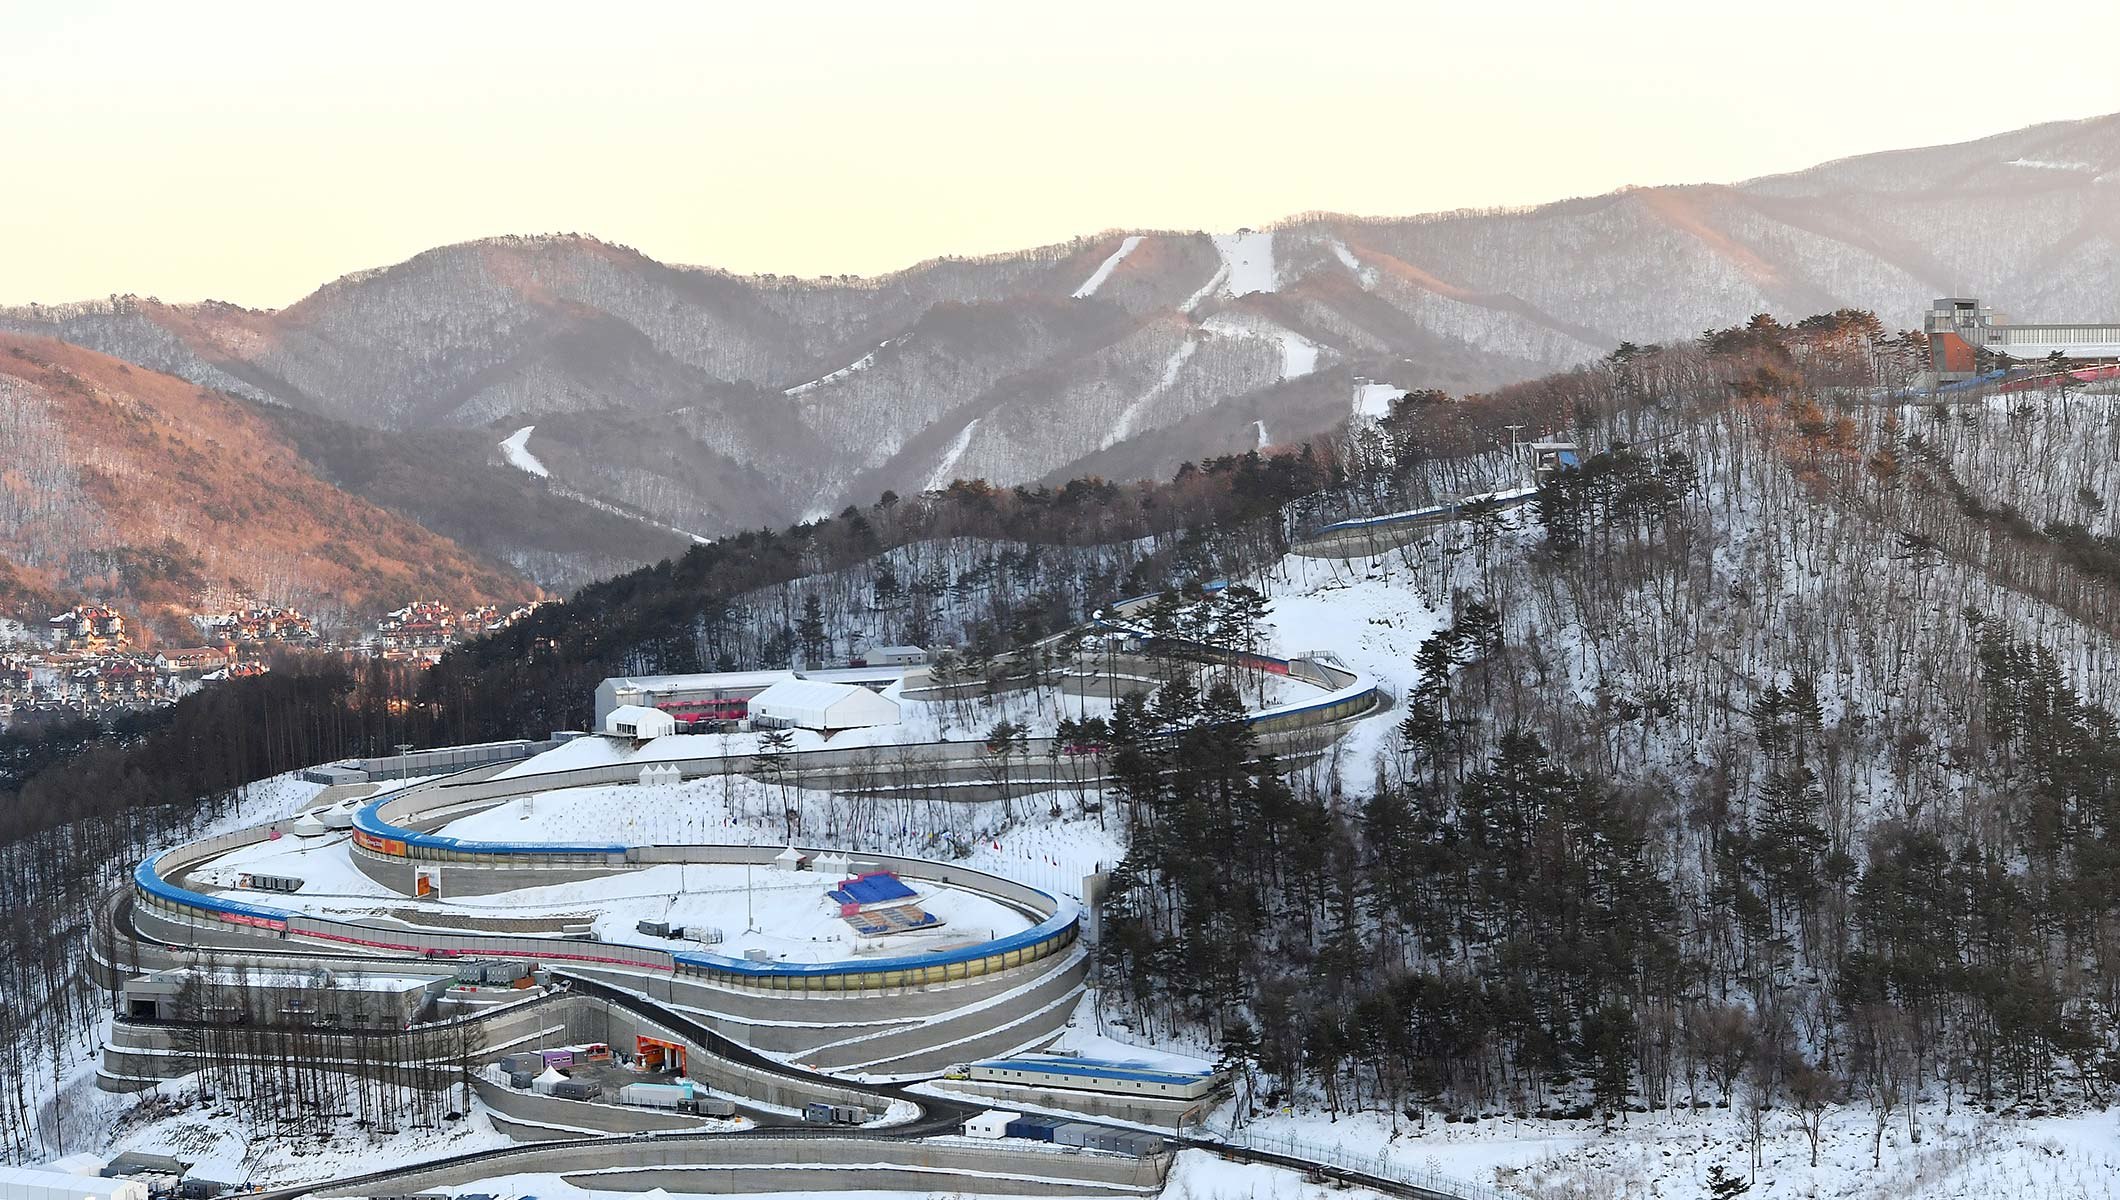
825,707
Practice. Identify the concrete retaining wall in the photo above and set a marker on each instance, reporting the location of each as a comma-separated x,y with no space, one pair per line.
579,1114
780,1163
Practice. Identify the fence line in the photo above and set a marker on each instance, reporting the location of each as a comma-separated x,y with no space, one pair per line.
1378,1164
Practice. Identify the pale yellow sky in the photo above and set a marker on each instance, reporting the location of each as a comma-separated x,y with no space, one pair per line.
251,151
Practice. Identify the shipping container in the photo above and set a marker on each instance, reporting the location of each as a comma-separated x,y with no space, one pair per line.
848,1114
271,883
520,1079
817,1114
653,928
1074,1133
714,1106
993,1123
521,1061
576,1089
1037,1129
654,1095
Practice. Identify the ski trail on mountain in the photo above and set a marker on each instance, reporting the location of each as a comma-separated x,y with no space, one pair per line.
1124,427
942,478
1095,281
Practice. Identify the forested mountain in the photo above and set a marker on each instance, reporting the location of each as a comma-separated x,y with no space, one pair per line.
1770,758
123,482
712,402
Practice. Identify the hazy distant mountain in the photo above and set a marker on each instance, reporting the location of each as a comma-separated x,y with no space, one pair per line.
708,401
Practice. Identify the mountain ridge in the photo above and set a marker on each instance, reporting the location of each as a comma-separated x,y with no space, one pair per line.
711,401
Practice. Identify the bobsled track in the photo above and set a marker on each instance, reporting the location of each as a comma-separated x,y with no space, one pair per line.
770,1036
1368,537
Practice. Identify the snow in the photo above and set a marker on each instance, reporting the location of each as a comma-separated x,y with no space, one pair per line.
1966,1156
1104,272
222,1144
1200,1175
1207,289
1052,854
1299,355
858,365
553,1186
1262,433
1374,623
1374,399
1247,258
1124,427
1367,276
2048,165
321,864
517,447
785,914
1082,1039
942,477
266,977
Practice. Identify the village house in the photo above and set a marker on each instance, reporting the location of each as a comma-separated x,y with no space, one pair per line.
92,628
196,660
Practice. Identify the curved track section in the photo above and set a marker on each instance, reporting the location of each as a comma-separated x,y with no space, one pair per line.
776,1034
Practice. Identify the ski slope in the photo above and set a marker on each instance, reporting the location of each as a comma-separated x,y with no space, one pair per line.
1128,419
858,365
942,477
1247,262
517,447
1299,355
1104,272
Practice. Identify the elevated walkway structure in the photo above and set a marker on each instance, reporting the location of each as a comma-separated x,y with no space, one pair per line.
1968,340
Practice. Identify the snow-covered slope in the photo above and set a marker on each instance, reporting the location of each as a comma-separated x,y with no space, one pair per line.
517,447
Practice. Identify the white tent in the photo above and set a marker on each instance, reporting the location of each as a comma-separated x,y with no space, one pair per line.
789,859
811,704
29,1183
660,773
639,723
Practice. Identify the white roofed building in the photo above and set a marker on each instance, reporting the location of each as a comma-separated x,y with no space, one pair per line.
895,656
29,1183
824,707
714,696
640,724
